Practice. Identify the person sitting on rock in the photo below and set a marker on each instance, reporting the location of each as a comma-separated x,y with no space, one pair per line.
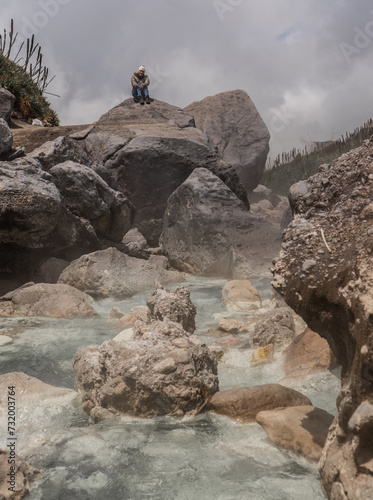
140,82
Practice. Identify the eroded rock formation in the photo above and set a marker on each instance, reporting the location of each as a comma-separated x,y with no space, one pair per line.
161,370
174,305
325,273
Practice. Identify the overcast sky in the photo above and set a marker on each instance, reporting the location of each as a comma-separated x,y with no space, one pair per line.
306,64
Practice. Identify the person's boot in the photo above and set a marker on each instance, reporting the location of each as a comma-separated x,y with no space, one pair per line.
141,99
147,100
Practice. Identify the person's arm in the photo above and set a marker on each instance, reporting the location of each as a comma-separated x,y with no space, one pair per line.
134,81
146,81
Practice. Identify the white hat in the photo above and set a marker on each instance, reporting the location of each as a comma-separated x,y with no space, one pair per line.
141,68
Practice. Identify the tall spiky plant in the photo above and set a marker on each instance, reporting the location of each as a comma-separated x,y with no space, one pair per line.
25,76
36,70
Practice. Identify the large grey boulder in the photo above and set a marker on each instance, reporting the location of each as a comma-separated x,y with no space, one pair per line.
231,120
110,273
30,204
87,195
150,151
6,137
65,215
6,104
161,370
207,230
52,301
58,151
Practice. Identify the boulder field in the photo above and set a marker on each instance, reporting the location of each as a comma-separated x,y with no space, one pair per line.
146,193
80,189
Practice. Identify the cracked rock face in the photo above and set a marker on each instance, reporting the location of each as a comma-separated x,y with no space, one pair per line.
161,370
325,273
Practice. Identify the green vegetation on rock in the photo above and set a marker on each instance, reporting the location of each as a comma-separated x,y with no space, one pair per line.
26,81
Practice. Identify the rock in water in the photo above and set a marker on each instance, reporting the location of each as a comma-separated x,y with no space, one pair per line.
274,327
15,477
111,273
245,403
162,370
325,273
52,301
174,305
308,353
300,429
231,120
241,295
207,230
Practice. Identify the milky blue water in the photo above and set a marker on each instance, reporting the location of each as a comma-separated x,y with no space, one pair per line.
204,457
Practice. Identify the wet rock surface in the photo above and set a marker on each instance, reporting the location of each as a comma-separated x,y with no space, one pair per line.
325,273
307,354
16,478
300,429
245,403
161,370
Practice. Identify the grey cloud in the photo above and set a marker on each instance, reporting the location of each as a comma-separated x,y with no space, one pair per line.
291,57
